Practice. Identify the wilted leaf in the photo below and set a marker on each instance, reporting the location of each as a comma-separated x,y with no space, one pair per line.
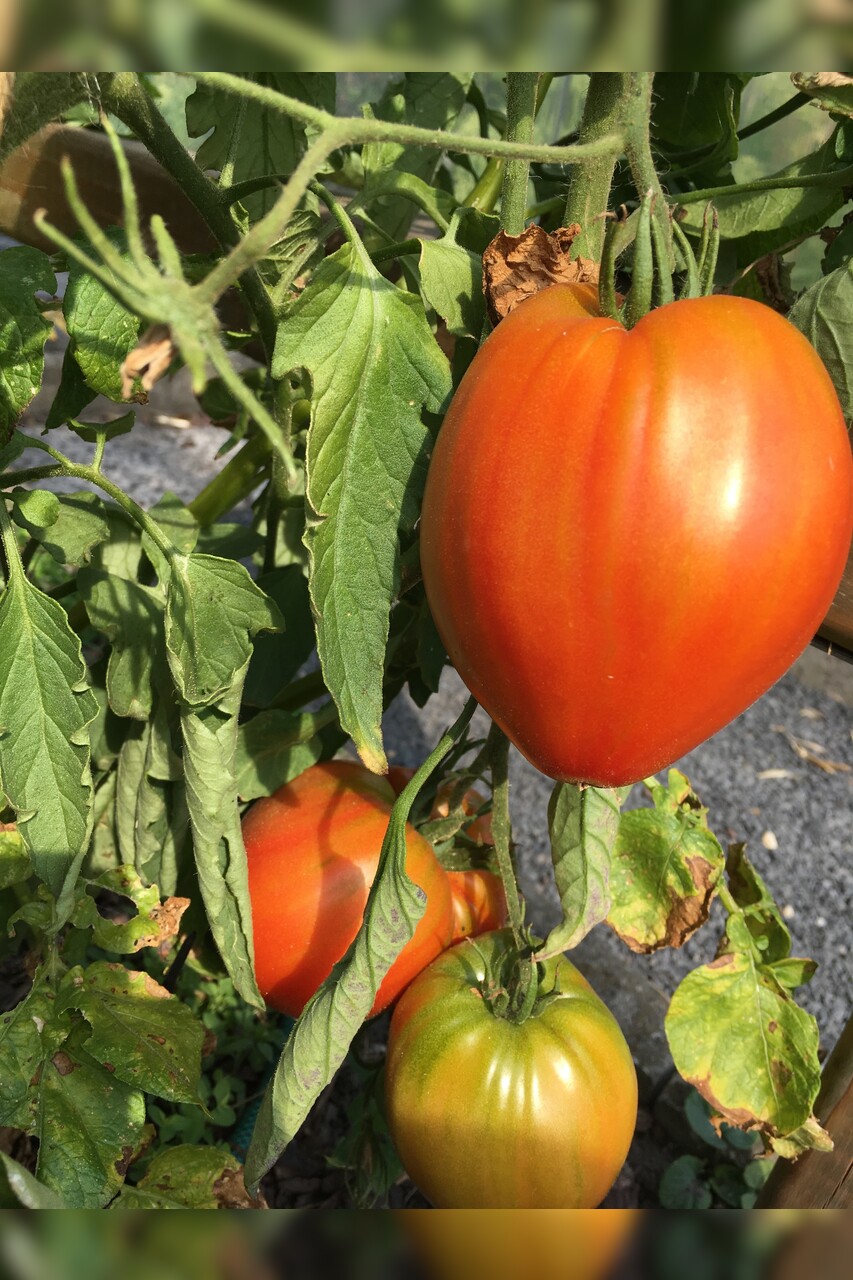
760,914
516,267
189,1177
664,868
154,922
148,361
830,90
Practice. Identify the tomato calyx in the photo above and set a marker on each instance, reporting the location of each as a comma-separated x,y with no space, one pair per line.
512,986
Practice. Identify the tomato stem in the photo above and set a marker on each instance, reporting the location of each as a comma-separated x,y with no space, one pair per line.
589,192
497,746
521,113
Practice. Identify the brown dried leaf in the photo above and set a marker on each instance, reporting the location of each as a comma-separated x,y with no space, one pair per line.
517,267
148,360
230,1192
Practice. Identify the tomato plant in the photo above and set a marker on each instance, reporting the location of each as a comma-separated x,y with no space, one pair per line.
489,1113
653,530
313,849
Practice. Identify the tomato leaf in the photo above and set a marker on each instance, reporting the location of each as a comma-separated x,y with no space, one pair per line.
738,1037
131,616
432,98
89,1124
26,1189
760,914
26,1042
277,656
829,90
76,525
779,215
15,864
46,707
208,597
23,330
268,142
664,869
582,825
452,281
373,364
72,395
103,331
272,749
153,924
693,110
189,1177
824,313
683,1186
210,745
140,1033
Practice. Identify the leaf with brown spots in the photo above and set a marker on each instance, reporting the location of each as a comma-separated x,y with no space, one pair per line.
759,912
517,267
736,1034
664,869
190,1177
149,1038
152,923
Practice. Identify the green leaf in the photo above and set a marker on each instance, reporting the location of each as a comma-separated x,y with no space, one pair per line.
14,859
840,250
72,395
103,331
152,924
90,431
761,917
438,205
727,1183
697,109
46,706
682,1185
829,90
277,657
269,141
210,745
698,1115
25,1044
139,1032
272,749
781,214
121,553
432,100
452,281
582,826
89,1126
664,870
374,365
26,1189
824,313
291,255
131,616
23,330
230,542
212,600
751,1052
188,1177
39,98
793,972
77,526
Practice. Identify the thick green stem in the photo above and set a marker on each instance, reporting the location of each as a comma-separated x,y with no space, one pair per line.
589,193
521,114
638,152
240,475
485,192
354,131
498,752
126,98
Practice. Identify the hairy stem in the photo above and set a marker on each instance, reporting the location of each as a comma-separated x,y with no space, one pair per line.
233,484
589,193
521,113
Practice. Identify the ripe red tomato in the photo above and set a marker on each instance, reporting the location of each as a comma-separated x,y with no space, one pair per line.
627,537
313,849
479,902
490,1114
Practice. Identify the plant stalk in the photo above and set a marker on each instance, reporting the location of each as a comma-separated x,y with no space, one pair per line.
521,114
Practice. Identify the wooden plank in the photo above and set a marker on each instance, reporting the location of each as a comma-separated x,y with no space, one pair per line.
837,627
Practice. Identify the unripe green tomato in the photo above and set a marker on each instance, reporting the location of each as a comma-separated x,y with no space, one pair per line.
486,1113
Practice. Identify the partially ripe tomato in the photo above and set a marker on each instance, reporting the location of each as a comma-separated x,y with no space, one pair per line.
487,1113
313,849
479,902
628,536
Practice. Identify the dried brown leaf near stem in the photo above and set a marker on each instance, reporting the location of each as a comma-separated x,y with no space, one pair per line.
167,919
517,267
147,362
230,1192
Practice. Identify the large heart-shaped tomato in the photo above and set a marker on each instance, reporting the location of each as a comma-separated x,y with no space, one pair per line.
627,536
